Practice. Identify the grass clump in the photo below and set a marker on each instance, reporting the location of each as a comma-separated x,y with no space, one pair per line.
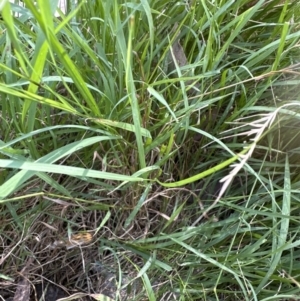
149,149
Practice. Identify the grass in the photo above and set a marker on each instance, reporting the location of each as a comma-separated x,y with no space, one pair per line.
152,145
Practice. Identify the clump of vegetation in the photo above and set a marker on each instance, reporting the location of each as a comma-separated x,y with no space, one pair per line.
149,150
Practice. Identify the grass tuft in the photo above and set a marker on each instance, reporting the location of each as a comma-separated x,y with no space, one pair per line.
149,150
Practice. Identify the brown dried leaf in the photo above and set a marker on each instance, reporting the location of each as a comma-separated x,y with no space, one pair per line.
23,291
